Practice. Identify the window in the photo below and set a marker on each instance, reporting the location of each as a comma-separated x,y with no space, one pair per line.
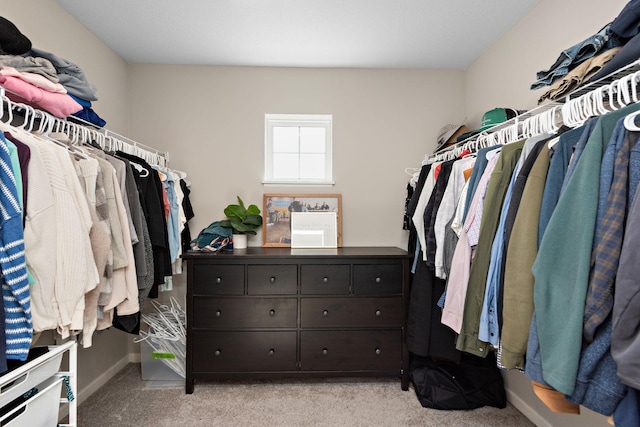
298,149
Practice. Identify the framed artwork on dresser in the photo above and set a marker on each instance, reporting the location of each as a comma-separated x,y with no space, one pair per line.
277,210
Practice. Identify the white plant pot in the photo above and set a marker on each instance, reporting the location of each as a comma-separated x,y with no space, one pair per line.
239,241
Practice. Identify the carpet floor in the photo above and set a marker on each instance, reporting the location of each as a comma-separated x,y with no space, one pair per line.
127,400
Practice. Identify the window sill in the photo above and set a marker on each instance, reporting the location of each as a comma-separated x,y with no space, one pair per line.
298,183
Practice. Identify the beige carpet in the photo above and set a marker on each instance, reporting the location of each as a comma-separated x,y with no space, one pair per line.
126,400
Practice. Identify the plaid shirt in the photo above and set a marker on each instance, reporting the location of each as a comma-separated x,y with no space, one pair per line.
606,251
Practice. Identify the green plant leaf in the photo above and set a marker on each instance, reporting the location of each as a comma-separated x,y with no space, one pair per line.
241,227
235,211
241,219
240,202
253,210
255,220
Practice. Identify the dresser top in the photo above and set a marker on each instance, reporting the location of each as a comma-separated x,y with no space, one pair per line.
354,252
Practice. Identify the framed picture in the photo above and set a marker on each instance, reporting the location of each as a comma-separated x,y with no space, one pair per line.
277,209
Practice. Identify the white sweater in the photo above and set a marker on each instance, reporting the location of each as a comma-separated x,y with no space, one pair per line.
40,240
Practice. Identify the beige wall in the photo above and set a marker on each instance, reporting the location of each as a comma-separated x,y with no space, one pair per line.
502,77
211,119
51,28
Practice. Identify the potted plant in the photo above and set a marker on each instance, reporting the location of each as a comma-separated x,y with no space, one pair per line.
243,220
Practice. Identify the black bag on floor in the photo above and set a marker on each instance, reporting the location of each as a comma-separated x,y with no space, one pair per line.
470,384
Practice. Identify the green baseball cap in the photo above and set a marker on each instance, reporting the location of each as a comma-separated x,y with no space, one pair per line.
490,119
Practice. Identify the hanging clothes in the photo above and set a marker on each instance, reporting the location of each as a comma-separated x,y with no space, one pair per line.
150,188
17,326
560,292
80,215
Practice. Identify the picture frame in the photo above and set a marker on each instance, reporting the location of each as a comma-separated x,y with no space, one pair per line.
277,208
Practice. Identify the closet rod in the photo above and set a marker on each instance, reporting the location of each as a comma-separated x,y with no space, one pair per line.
82,127
109,133
605,87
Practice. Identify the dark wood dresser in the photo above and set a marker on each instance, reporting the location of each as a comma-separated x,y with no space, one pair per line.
281,312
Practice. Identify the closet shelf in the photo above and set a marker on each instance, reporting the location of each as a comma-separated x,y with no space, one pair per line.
542,108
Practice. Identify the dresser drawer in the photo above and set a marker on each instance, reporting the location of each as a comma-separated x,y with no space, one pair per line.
351,312
324,279
237,313
380,279
213,279
272,279
350,350
243,351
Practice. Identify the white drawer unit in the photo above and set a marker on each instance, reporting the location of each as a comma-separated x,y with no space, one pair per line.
43,375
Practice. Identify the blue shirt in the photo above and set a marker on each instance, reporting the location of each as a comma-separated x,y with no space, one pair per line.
488,330
476,174
172,221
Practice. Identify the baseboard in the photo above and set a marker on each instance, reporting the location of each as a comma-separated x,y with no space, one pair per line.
527,410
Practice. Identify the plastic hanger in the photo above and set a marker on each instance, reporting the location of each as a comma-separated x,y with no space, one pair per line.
598,96
612,91
630,122
624,96
553,114
634,86
553,142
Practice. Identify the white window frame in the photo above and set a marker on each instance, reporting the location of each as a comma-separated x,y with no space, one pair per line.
298,120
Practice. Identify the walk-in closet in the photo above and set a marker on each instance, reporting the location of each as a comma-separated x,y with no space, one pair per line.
472,172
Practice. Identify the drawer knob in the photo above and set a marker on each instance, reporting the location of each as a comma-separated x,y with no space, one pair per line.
325,351
325,280
218,279
325,313
218,313
378,313
272,351
272,313
378,351
378,279
272,279
217,353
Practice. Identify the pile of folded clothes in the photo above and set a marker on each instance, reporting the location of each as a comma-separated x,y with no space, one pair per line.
42,79
616,45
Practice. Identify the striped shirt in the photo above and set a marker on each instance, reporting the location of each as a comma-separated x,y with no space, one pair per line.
15,287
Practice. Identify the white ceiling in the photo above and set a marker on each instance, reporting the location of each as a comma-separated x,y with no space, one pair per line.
444,34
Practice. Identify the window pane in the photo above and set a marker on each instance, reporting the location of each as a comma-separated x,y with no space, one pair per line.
312,139
285,166
285,139
312,166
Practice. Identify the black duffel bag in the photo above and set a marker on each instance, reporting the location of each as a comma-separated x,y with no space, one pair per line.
470,384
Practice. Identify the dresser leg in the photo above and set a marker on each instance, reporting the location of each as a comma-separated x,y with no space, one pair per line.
189,385
404,381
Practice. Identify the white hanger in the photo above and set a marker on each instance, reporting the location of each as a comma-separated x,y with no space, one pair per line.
634,86
553,122
612,90
598,96
482,141
587,106
624,83
27,110
630,122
